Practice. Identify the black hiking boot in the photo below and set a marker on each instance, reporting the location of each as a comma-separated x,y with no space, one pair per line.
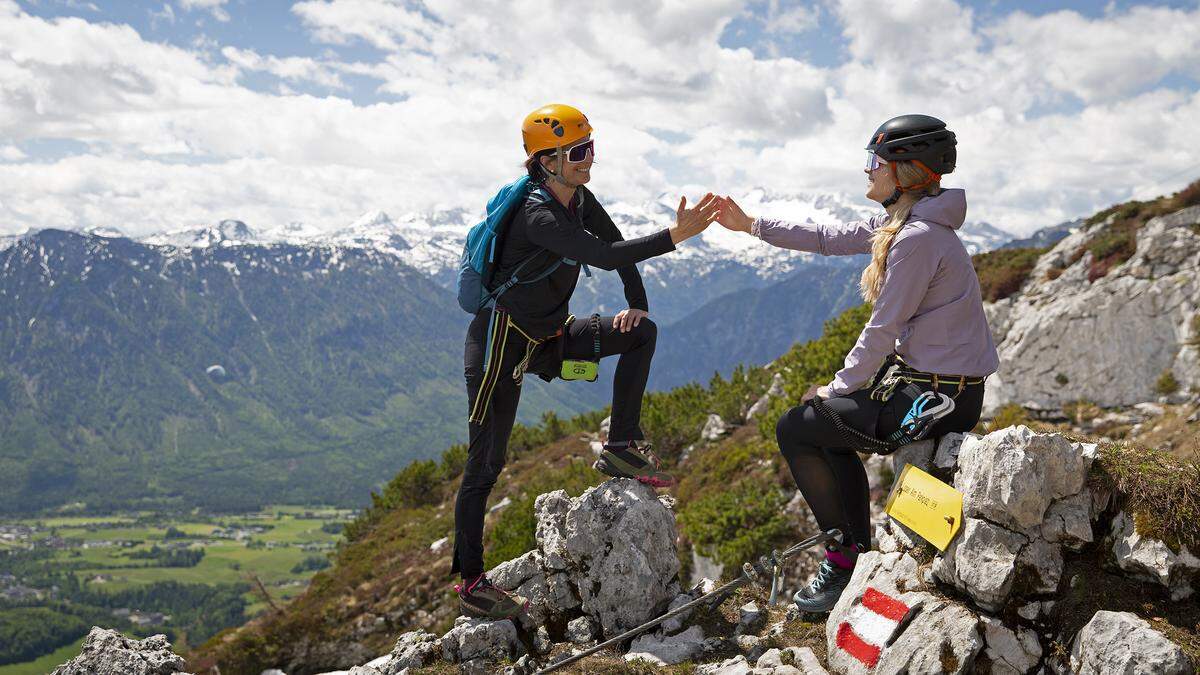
482,600
633,461
822,594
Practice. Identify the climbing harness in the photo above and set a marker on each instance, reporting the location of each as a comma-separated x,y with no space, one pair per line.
756,573
928,406
499,330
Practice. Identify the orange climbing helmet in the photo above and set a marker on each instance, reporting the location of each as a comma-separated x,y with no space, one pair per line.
553,126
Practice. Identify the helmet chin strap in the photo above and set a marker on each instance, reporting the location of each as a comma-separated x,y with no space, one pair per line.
931,177
894,198
556,175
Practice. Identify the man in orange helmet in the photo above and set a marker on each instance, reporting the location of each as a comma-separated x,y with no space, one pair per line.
558,229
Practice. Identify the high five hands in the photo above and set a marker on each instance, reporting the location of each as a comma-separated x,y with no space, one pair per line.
693,221
731,216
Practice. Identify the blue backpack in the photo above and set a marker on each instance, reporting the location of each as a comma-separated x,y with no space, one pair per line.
479,253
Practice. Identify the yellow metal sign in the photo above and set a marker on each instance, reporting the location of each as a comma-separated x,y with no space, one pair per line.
926,505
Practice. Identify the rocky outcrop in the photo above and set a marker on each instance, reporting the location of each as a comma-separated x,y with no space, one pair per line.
605,562
1024,498
1152,559
1145,310
982,604
1119,642
107,652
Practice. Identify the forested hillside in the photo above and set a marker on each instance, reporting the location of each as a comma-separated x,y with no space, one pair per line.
227,378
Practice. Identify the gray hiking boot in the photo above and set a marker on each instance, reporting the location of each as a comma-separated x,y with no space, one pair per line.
480,599
633,462
823,593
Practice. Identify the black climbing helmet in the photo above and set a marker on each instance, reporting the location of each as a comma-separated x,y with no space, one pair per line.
918,138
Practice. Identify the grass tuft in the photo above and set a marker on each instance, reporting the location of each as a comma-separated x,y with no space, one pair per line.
1163,491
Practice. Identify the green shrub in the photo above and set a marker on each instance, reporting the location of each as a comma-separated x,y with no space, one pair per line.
738,524
454,460
312,563
1188,196
1166,383
1081,410
1061,380
813,362
1002,272
673,419
1010,415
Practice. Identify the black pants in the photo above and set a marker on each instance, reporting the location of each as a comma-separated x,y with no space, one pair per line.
830,475
488,442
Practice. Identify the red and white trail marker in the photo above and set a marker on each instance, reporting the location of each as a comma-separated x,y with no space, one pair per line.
870,625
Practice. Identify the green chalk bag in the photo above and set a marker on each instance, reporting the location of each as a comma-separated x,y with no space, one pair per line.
582,369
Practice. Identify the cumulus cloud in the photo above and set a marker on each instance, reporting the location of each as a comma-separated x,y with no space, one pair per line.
11,153
1052,111
292,68
215,7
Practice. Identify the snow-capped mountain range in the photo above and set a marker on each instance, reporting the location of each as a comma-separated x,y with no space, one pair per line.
432,242
716,263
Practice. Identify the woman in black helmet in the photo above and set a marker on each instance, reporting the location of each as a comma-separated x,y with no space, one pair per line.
927,330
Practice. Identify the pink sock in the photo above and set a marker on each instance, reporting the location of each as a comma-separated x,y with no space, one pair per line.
840,560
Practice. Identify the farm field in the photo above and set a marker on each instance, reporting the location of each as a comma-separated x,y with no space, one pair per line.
138,567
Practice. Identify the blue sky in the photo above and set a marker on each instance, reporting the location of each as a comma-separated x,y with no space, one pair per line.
158,115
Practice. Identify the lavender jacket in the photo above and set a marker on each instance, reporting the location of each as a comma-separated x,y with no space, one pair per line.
929,310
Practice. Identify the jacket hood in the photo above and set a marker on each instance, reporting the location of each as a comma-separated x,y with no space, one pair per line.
948,208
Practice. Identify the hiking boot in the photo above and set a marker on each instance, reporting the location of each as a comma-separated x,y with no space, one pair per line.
822,594
633,462
482,600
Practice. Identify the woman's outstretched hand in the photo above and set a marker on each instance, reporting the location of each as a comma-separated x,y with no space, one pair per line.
693,221
732,217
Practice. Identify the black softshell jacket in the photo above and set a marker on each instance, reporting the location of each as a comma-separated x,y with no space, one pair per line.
584,234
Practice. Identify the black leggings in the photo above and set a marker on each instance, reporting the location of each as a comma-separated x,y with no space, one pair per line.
830,475
488,444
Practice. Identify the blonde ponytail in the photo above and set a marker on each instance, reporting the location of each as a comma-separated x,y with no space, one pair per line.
908,173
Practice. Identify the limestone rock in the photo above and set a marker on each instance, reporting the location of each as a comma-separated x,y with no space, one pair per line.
550,511
942,638
667,650
580,631
509,575
1141,308
919,454
949,447
472,639
415,649
616,543
1151,559
1011,652
750,618
760,406
714,428
792,661
1068,521
981,562
676,623
735,666
1011,476
1120,642
776,389
107,652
